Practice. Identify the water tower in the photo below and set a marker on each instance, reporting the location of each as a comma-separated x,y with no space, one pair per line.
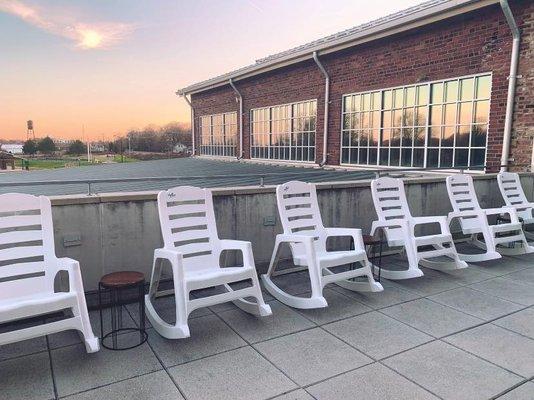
30,134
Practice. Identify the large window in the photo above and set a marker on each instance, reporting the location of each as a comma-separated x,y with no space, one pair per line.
436,124
218,134
284,132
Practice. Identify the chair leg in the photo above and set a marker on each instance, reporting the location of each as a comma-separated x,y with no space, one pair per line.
92,344
488,245
180,329
259,307
315,301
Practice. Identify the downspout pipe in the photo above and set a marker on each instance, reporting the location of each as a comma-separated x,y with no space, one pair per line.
326,103
507,136
240,100
192,119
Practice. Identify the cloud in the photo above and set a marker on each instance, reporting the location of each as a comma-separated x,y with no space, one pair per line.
84,35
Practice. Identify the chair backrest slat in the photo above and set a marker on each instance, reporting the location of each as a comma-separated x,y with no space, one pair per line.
513,193
26,245
299,213
389,199
463,197
188,225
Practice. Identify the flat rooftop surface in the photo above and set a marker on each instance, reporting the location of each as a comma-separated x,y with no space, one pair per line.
467,334
183,171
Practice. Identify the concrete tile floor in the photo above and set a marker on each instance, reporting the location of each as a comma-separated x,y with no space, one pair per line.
443,336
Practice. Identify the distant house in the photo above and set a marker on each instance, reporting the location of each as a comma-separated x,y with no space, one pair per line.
13,148
98,147
7,159
179,148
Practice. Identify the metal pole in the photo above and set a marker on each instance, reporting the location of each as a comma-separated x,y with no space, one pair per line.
326,102
507,137
240,100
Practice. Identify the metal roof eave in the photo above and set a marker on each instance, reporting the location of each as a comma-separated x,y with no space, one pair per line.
401,24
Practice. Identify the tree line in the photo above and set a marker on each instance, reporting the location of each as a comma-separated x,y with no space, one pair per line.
154,139
150,139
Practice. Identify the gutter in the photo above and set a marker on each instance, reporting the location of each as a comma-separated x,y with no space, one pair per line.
326,104
192,118
240,99
507,136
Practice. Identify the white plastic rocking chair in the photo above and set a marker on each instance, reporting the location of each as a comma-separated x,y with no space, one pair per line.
306,235
514,196
193,248
28,268
395,218
499,239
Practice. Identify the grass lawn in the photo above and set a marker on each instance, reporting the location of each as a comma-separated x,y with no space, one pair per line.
118,159
36,163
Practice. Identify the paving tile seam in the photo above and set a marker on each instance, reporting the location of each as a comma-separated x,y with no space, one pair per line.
411,380
162,364
484,359
49,352
511,330
488,322
464,312
110,384
405,323
502,298
260,354
289,392
505,392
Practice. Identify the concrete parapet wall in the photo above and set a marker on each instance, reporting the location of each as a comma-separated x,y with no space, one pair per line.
119,231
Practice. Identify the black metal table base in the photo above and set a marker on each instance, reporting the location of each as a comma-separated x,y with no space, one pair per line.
116,305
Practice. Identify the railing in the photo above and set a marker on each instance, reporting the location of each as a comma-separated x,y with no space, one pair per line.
261,177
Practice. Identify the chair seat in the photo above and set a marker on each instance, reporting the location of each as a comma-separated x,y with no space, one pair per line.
432,239
202,278
36,304
329,259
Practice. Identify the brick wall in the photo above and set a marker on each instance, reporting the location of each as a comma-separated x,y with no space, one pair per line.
523,123
468,44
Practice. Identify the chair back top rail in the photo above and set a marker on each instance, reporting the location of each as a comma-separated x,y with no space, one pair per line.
27,250
188,225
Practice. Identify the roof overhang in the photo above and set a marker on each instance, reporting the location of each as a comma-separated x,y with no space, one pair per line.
417,19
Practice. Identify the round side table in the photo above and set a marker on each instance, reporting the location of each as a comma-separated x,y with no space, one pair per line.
116,284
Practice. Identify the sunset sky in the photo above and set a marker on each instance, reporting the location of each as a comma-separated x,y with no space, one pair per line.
113,65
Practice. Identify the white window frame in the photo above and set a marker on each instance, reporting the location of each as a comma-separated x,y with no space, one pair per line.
427,126
291,146
217,148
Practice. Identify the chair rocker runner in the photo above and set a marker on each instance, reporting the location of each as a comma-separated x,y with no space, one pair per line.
193,248
514,196
498,239
29,268
306,235
396,220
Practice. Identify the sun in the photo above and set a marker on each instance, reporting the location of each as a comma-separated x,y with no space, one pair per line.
90,39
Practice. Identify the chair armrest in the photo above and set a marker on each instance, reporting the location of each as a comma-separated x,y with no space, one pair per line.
460,214
240,245
294,238
75,274
175,258
442,221
227,244
354,233
503,210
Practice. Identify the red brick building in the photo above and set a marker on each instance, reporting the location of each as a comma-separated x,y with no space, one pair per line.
425,87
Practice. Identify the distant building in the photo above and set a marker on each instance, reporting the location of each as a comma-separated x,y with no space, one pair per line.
424,87
179,148
98,147
13,148
62,144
